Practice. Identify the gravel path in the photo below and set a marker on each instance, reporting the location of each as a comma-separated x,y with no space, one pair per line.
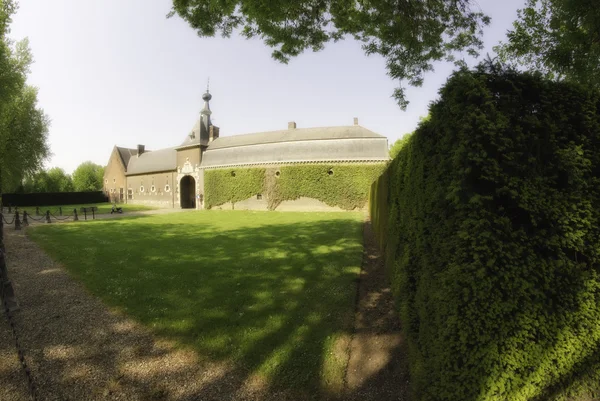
78,349
377,368
13,384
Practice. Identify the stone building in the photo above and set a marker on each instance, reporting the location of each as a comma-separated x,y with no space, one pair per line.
174,177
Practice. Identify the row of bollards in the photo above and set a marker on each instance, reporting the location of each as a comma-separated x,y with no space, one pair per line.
25,219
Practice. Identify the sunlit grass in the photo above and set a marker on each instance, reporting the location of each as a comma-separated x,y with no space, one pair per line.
270,291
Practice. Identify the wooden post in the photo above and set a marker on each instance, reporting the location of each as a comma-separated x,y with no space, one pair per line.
75,218
25,221
48,216
17,221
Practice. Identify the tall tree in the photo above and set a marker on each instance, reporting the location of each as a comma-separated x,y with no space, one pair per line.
410,35
88,177
560,38
23,126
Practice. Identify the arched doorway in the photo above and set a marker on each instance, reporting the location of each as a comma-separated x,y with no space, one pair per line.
187,188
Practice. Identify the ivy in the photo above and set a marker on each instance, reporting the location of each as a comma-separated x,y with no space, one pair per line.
489,218
344,186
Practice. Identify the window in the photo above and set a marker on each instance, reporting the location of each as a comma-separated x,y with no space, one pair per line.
114,180
112,190
233,173
106,181
130,193
142,189
277,173
152,188
258,196
330,172
167,188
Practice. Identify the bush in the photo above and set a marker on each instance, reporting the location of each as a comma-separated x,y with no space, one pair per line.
345,186
492,240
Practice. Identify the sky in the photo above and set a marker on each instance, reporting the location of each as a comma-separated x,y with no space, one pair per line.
118,72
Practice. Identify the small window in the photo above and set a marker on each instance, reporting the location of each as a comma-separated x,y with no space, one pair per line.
330,172
258,196
130,193
112,190
142,188
106,181
233,173
167,188
152,188
114,180
277,173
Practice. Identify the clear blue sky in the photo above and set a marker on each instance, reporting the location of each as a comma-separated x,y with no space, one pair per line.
119,72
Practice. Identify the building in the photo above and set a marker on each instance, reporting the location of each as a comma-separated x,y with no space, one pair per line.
174,177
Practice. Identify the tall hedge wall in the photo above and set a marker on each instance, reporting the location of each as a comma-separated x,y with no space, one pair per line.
345,186
492,237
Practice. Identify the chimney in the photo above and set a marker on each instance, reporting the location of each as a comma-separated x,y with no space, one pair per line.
140,150
291,125
355,120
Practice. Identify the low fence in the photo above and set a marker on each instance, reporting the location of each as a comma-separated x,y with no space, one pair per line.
22,219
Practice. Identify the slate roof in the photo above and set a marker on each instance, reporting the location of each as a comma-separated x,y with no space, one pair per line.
295,134
196,140
126,154
351,143
151,161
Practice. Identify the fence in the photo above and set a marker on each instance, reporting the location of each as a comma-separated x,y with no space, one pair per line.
23,219
53,198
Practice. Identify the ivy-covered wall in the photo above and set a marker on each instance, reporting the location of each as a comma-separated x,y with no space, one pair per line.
490,221
344,186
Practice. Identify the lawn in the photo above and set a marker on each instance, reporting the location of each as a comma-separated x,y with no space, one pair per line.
103,208
272,292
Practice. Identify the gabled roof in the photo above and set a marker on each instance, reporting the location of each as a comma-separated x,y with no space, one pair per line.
292,135
126,154
194,137
153,161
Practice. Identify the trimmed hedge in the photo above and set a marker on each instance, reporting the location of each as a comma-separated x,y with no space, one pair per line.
490,227
345,186
53,198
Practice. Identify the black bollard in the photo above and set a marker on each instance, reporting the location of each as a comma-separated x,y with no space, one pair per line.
85,213
25,221
37,211
60,211
17,221
93,214
48,216
75,218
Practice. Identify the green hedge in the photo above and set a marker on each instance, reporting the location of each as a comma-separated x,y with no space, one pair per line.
345,186
493,243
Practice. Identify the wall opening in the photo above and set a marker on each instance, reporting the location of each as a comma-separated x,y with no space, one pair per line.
188,192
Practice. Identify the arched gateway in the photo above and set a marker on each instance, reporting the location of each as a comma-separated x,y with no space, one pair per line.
188,192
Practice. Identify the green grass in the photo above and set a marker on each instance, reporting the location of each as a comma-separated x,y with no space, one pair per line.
103,208
273,292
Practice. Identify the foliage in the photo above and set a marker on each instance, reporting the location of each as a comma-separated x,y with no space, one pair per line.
410,35
270,292
558,37
491,238
23,126
232,185
346,186
53,180
88,176
399,144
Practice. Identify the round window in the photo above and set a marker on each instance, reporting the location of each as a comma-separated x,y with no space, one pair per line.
153,188
277,173
142,188
330,172
167,188
233,173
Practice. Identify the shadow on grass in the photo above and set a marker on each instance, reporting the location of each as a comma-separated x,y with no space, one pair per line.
271,292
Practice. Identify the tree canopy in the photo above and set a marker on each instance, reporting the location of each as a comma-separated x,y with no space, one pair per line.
23,126
410,35
560,38
88,176
53,180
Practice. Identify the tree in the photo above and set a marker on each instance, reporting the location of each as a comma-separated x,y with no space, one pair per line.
23,126
400,143
560,38
410,35
88,176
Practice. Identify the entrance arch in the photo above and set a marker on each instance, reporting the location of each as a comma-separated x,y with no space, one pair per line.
187,188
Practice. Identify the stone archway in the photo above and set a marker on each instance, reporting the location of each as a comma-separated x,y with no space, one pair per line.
187,190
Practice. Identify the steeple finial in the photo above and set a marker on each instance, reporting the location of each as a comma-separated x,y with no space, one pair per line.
207,85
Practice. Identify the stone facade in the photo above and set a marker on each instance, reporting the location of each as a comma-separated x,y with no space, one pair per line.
174,177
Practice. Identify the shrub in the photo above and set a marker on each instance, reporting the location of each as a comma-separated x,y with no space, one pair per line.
232,185
492,240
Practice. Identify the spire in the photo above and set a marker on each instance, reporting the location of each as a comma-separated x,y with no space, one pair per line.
205,116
